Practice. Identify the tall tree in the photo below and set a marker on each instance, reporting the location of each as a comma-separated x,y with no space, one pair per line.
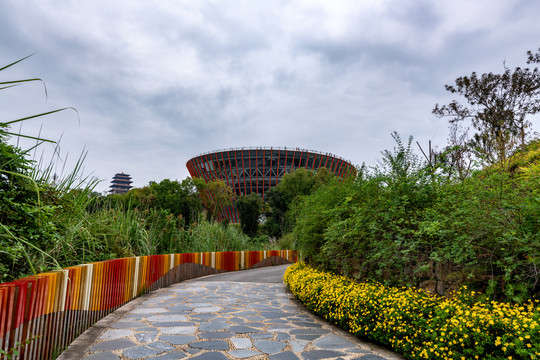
249,208
282,198
215,196
498,106
180,198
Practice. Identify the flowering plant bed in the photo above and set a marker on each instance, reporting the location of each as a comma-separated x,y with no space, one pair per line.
417,324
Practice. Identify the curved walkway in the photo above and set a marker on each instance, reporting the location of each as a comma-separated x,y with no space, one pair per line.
241,315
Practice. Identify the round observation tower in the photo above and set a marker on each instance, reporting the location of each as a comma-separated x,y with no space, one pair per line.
255,170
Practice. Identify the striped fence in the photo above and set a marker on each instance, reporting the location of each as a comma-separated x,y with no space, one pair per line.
40,315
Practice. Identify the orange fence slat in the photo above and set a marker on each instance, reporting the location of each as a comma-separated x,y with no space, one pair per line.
49,309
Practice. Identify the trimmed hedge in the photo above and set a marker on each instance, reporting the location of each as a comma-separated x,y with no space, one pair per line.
417,324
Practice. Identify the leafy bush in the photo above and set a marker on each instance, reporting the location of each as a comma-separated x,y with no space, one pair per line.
25,216
417,324
405,223
282,200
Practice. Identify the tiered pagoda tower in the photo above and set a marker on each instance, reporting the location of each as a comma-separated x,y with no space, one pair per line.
120,184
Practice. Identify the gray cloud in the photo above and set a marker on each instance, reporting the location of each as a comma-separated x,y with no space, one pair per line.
158,82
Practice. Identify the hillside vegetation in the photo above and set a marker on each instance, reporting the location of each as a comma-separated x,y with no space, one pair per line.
405,223
468,214
48,225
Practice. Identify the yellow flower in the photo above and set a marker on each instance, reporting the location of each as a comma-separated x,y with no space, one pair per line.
387,314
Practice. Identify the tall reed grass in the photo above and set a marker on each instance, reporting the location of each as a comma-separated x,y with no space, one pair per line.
50,220
207,236
82,226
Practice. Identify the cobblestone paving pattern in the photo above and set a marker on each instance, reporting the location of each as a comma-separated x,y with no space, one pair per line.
222,320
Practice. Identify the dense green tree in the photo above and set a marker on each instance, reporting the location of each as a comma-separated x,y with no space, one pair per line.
297,183
179,198
139,198
283,198
215,196
280,200
277,206
315,213
249,209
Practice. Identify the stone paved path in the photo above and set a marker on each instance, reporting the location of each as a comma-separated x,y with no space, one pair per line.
206,320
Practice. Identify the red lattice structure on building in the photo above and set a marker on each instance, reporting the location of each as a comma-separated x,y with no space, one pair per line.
255,170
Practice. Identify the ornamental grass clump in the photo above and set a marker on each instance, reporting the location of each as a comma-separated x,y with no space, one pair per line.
417,324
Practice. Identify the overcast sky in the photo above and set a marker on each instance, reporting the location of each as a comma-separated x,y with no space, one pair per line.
158,82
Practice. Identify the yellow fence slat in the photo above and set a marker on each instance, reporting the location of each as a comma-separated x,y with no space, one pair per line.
54,307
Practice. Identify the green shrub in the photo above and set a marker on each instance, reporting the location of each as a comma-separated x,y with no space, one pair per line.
25,219
405,224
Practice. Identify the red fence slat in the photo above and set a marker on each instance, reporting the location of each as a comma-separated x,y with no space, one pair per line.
43,313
